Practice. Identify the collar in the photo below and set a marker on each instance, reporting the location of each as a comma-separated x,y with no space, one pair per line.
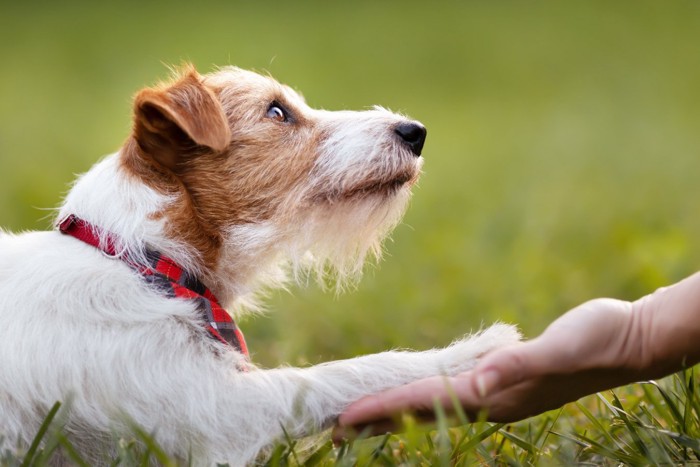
168,278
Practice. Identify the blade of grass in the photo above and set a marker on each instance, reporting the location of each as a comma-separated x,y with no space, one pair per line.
377,452
456,404
664,444
343,450
290,444
463,447
443,436
548,429
670,403
277,456
688,378
572,439
318,455
596,423
70,450
545,430
29,456
631,428
683,440
694,396
126,454
661,408
618,455
521,443
479,437
152,448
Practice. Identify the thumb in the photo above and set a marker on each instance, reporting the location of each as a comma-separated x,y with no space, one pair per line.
509,366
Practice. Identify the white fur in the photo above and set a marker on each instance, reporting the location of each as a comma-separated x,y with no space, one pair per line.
75,324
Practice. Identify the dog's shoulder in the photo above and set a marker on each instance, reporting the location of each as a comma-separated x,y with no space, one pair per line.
37,258
59,278
14,246
34,244
38,266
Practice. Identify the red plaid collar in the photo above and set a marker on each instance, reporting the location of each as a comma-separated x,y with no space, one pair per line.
169,278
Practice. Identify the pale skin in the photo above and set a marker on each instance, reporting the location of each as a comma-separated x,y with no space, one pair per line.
601,344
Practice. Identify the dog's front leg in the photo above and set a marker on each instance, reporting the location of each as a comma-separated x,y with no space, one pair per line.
323,391
306,400
231,416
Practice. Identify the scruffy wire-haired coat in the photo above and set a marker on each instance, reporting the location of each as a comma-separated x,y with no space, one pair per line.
227,181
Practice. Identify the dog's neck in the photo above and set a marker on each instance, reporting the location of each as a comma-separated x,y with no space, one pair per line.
117,202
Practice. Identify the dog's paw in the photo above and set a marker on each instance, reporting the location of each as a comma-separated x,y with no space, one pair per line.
463,354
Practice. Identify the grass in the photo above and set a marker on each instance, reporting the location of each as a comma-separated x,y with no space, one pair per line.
561,165
651,423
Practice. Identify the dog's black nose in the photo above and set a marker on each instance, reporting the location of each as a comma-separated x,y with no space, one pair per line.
413,134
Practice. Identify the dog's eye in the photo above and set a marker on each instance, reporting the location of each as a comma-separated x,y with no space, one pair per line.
277,113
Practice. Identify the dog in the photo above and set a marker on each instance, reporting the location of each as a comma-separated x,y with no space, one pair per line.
227,184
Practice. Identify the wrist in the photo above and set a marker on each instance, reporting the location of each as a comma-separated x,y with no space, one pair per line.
641,354
667,327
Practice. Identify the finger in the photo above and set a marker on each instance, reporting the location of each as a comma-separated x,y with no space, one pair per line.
415,396
511,365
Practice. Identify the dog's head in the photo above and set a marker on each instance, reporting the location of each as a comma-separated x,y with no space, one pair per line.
255,172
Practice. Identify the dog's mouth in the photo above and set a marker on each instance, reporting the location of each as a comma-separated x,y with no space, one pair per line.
387,187
377,187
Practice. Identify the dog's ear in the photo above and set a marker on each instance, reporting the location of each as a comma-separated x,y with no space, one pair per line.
175,121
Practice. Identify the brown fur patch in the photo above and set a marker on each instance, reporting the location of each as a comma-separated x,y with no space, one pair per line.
170,121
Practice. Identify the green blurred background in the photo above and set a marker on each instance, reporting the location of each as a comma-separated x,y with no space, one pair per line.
562,161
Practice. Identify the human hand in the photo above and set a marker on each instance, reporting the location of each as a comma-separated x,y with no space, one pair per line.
590,348
599,345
